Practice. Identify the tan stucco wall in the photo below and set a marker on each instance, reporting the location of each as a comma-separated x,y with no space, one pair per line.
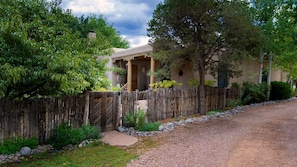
188,74
250,72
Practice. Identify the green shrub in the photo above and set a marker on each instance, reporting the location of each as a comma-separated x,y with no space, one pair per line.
130,119
150,127
90,132
165,84
235,85
253,93
233,103
280,90
65,135
134,118
140,118
195,82
12,145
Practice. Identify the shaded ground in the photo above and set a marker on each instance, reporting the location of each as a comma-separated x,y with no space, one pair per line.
260,136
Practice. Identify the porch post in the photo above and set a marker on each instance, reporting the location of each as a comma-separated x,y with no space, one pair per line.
152,79
129,76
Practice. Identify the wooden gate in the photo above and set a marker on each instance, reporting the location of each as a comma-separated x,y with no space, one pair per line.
103,110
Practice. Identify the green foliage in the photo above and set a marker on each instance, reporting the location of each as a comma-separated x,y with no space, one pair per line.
130,119
253,93
96,154
280,90
12,145
45,51
195,82
65,135
165,84
233,103
235,85
204,33
150,127
213,112
277,20
185,30
134,118
106,32
90,132
140,118
115,89
119,71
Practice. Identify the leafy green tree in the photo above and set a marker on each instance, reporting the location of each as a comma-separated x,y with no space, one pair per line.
42,52
105,31
286,30
263,12
200,30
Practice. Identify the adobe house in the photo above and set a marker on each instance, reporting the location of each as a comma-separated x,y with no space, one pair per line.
138,63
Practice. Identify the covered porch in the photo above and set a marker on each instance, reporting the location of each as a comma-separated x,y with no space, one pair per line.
139,67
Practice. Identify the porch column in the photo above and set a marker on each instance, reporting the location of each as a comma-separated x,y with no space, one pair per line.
129,76
152,80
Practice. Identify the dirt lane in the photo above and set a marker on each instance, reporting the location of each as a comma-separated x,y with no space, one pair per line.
260,136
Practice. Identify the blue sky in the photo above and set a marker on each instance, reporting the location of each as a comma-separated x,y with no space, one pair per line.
129,17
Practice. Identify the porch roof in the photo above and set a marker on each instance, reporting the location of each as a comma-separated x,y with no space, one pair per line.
131,53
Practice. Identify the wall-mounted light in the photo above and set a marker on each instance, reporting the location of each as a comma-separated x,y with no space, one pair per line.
180,73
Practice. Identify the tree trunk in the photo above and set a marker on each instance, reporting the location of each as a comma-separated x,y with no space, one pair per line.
202,100
269,75
261,66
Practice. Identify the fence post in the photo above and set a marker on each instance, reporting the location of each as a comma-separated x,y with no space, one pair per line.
103,112
115,109
86,108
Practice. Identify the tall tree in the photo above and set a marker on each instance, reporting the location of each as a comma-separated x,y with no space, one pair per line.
264,12
197,30
42,53
286,37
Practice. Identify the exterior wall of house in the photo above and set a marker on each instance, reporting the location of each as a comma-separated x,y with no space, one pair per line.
250,69
250,73
183,75
278,75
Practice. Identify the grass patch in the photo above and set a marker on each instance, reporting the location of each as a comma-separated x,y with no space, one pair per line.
213,112
99,154
152,126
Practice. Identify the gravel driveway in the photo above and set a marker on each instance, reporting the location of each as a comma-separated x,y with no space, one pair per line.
259,136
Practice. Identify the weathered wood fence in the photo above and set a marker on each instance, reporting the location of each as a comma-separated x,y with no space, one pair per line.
173,103
38,117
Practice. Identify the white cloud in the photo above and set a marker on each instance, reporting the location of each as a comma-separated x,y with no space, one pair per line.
114,10
135,41
129,17
88,7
